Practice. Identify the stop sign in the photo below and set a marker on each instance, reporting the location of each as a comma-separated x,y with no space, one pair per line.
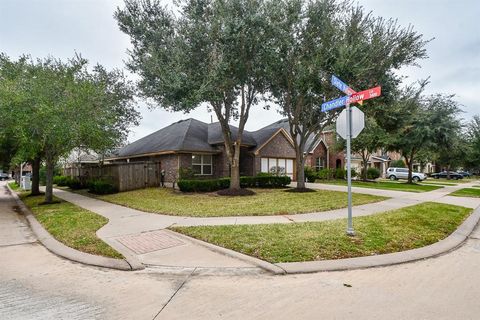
358,122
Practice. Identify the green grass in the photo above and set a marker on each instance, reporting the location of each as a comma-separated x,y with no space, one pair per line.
396,186
441,183
14,186
71,225
394,231
467,192
265,202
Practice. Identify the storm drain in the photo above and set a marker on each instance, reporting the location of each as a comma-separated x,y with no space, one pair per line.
149,241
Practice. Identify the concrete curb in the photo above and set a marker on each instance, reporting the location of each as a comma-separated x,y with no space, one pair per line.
453,241
233,254
64,251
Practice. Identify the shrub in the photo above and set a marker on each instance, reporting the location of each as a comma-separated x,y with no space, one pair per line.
61,181
76,184
310,174
326,174
373,173
185,174
101,187
353,172
340,173
259,181
397,164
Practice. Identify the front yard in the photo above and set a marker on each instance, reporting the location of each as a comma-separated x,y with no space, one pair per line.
467,192
398,230
396,186
73,226
264,202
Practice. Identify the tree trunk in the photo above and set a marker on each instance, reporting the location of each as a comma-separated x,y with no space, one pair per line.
49,180
235,169
300,167
410,168
35,176
448,172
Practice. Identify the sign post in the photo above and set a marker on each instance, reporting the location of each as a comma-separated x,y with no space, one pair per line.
353,128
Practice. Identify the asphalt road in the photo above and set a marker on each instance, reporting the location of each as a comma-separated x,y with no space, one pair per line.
35,284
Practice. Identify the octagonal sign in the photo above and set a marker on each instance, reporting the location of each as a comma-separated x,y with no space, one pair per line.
358,122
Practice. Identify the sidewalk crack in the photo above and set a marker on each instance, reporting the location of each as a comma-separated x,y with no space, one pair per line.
176,291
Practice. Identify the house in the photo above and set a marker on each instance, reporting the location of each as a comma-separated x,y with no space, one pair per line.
199,146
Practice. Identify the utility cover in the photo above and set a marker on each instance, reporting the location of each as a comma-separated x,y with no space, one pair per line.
358,122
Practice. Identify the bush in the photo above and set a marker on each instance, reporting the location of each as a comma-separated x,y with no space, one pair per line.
101,187
61,181
353,172
310,174
76,184
326,174
397,164
340,174
185,174
259,181
373,173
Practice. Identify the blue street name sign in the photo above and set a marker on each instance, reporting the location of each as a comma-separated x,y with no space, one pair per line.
340,85
333,104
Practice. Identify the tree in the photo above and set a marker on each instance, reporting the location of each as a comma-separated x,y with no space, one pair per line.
210,53
369,141
421,123
311,41
62,105
472,158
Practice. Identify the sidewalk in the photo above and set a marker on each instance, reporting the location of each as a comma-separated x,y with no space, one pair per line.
142,235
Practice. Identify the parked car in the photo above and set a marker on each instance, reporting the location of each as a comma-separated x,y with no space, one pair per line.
465,174
4,176
444,174
402,173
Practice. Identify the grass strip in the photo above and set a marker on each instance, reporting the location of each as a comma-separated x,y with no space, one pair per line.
398,230
71,225
264,202
467,192
396,186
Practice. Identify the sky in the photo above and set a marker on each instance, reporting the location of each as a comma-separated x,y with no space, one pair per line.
61,28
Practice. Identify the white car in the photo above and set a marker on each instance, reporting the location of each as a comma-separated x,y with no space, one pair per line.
402,173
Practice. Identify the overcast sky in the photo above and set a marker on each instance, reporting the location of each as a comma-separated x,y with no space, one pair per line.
63,27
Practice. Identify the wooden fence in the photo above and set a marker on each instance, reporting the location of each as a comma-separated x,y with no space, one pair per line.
125,176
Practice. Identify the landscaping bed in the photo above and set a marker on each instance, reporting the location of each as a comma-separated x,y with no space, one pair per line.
398,230
396,186
71,225
467,192
264,202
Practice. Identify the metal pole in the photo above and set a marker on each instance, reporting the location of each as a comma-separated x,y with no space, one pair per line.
350,231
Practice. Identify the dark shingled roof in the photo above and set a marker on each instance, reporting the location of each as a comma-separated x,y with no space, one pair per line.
215,135
190,134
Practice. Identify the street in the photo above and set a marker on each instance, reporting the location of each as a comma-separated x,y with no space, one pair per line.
35,284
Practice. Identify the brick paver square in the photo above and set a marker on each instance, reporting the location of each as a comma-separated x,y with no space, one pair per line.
149,241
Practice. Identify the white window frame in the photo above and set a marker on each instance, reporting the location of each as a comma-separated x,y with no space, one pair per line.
202,164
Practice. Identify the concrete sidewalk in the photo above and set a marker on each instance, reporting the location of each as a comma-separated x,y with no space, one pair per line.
140,234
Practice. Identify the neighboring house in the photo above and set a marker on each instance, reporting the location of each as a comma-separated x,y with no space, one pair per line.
78,159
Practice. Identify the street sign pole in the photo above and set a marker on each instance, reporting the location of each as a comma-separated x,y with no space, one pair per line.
350,230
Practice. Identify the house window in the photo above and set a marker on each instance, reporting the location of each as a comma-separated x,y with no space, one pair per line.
319,163
277,166
202,164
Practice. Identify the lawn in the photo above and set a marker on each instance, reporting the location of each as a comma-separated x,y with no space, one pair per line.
394,231
264,202
14,186
467,192
71,225
397,186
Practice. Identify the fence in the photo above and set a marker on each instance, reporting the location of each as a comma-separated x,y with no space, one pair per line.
125,176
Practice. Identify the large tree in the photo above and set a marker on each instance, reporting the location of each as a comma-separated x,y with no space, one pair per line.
312,40
62,105
206,53
472,158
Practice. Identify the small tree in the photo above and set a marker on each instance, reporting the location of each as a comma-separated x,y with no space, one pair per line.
210,53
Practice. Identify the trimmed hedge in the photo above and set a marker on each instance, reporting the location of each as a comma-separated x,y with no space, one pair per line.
61,181
260,181
101,187
373,173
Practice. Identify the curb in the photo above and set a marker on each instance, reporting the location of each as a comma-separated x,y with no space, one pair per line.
453,241
58,248
275,269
